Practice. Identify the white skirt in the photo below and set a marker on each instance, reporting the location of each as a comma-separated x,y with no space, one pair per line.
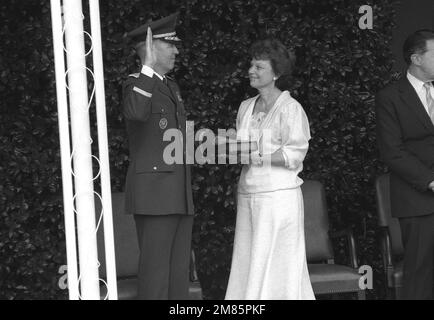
269,256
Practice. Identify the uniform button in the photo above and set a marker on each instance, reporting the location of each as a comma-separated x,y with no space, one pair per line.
162,110
155,168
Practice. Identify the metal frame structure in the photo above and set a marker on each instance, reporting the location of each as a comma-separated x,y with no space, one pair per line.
75,133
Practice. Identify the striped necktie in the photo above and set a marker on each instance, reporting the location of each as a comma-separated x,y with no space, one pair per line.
429,101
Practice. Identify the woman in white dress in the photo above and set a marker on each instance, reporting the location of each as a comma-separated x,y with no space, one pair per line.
269,258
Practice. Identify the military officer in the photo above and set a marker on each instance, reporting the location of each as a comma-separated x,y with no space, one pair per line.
157,193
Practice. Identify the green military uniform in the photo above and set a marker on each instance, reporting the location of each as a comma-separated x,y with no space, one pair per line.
154,187
158,194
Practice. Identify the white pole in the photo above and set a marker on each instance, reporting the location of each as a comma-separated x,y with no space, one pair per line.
65,152
82,156
103,150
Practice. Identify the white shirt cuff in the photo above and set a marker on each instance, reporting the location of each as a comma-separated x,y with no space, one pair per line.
147,71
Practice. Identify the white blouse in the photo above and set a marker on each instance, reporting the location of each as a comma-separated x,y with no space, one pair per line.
284,127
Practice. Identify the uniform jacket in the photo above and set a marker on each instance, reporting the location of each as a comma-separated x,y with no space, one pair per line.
406,143
153,187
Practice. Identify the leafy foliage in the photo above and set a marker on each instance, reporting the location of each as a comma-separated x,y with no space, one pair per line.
339,69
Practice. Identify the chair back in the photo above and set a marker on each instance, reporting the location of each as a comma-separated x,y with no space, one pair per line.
316,223
125,239
385,219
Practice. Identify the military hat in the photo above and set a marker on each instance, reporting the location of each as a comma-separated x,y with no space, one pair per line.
162,29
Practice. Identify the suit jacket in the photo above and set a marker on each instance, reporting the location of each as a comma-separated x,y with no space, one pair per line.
406,143
154,187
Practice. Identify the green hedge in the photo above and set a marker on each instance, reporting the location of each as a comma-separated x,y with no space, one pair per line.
339,69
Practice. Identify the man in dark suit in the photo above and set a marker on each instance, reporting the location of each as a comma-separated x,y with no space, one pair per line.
405,117
158,193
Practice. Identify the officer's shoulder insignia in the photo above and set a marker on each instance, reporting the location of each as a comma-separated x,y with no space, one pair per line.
134,75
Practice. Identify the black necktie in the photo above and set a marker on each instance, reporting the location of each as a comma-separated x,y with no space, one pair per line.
165,80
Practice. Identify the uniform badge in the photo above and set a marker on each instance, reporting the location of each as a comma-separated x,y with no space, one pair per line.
163,123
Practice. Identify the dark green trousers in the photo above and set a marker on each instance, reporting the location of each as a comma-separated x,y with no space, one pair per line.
165,246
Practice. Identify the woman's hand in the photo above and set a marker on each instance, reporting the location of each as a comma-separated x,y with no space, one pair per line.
275,159
256,158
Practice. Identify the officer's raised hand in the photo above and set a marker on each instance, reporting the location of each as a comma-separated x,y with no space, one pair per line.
147,56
